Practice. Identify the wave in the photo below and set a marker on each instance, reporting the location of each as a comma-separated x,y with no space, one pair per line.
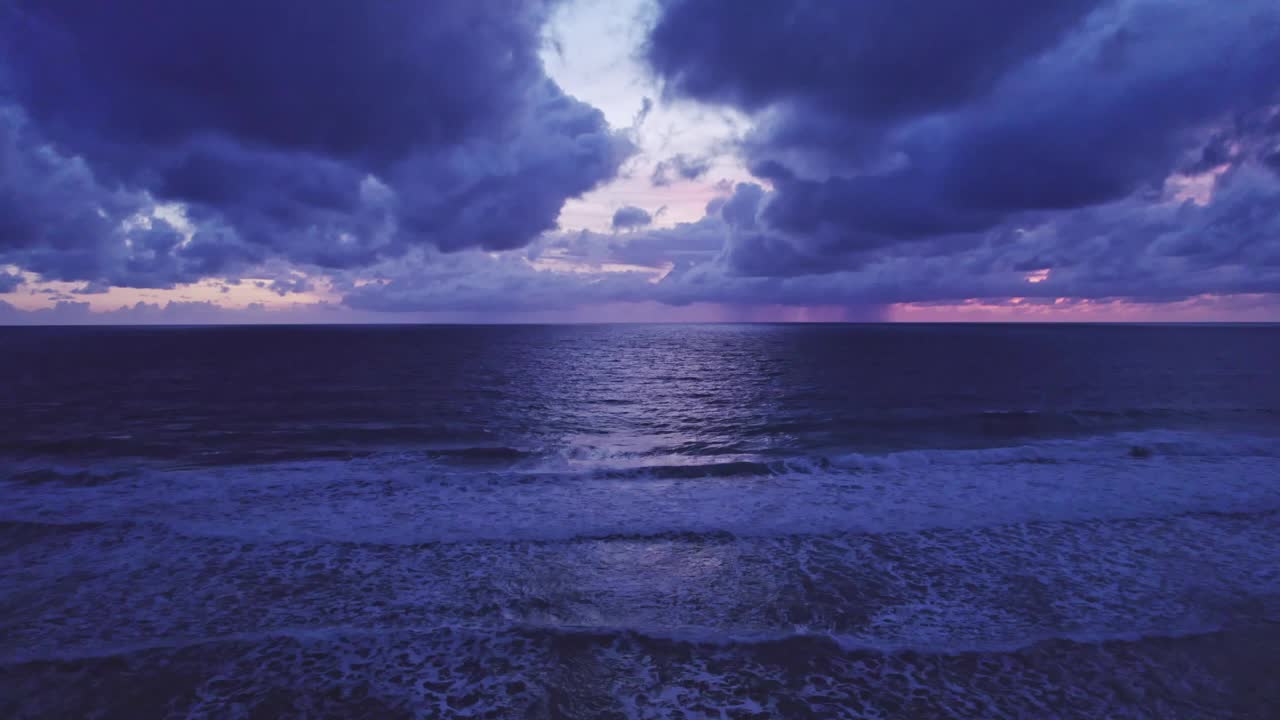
997,424
17,531
376,672
481,454
798,641
1126,446
191,442
81,477
409,498
1137,445
829,642
732,468
194,440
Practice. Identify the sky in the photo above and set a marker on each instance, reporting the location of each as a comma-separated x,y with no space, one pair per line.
249,161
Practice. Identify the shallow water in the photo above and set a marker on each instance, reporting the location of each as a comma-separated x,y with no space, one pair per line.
685,521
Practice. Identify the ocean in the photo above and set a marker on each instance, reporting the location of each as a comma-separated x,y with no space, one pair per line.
697,521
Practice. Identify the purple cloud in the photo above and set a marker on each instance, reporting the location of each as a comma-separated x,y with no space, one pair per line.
631,217
891,130
332,135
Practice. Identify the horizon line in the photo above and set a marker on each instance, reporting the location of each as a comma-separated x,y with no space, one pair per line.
501,323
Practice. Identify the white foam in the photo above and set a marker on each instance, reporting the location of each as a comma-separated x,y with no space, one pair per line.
407,499
983,588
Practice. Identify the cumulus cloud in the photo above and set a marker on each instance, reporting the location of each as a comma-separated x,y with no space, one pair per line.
930,131
330,134
57,219
629,217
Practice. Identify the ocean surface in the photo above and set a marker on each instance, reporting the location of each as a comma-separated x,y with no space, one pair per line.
739,521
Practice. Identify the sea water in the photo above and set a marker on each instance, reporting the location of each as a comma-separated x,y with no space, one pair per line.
738,521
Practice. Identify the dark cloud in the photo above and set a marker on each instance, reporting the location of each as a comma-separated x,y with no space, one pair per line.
630,217
679,167
1132,250
875,59
9,282
286,285
740,209
155,73
58,220
646,107
897,129
327,134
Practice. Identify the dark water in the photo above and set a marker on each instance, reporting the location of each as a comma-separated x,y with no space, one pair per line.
640,521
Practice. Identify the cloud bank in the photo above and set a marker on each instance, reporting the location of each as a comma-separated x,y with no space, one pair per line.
415,157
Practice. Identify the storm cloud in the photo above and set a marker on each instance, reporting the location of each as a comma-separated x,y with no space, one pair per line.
882,125
326,134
